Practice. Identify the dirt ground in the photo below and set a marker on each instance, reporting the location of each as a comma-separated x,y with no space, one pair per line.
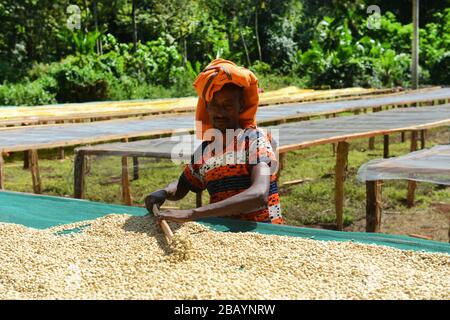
433,223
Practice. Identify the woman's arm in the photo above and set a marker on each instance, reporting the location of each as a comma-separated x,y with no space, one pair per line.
176,190
254,198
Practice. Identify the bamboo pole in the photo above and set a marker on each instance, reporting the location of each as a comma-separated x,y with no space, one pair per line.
341,164
34,168
79,175
2,172
373,206
412,184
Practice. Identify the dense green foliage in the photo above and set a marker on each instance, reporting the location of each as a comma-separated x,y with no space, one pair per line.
318,44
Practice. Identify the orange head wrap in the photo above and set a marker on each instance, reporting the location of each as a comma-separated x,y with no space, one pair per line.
212,79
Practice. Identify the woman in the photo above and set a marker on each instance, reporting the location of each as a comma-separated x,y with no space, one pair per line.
236,162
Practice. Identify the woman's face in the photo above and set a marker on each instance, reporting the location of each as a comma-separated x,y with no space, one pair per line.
225,107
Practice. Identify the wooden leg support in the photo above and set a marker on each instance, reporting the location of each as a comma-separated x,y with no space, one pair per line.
412,184
61,153
34,168
411,191
281,165
26,158
135,168
371,143
373,206
386,146
79,175
423,136
2,172
402,136
126,189
341,164
198,199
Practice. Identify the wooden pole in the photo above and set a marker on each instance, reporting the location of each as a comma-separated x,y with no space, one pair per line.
168,234
371,143
26,158
198,199
135,168
402,136
415,45
79,175
413,141
34,168
386,146
423,135
126,190
373,206
281,165
61,153
341,164
372,139
2,172
412,184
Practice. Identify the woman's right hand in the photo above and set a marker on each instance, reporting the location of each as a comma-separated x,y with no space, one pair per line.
158,197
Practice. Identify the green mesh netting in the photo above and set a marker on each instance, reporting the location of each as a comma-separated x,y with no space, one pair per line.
42,212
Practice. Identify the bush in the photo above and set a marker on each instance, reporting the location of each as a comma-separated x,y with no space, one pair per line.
27,93
81,79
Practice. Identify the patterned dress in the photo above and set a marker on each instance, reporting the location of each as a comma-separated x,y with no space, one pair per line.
225,172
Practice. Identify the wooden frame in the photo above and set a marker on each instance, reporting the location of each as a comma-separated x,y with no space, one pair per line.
373,211
154,133
153,109
2,172
373,188
340,172
373,206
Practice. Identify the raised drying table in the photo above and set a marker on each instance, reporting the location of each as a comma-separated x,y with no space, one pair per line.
107,110
33,138
292,136
428,165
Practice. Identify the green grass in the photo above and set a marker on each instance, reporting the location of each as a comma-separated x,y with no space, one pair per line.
310,203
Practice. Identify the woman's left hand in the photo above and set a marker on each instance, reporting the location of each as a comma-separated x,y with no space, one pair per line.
176,215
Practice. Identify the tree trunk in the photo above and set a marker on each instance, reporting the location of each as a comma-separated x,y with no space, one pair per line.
230,39
258,44
244,44
185,52
86,7
99,39
134,26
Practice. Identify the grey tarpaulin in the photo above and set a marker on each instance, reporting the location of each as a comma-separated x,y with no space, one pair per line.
298,134
428,165
40,137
